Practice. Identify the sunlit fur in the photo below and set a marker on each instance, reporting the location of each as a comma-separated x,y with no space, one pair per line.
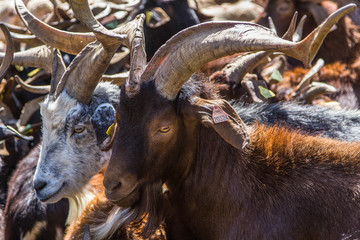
108,221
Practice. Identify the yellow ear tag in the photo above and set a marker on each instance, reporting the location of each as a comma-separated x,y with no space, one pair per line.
33,72
266,93
19,68
110,130
276,75
148,17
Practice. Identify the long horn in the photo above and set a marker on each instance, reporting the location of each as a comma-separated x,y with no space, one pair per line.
9,51
30,40
88,67
67,42
16,29
42,57
186,52
33,89
246,63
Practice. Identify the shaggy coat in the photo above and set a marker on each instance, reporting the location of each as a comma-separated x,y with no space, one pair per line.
275,184
25,216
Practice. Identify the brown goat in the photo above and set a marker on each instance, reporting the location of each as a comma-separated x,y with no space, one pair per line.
202,150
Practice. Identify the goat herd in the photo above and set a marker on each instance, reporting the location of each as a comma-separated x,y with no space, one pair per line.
147,119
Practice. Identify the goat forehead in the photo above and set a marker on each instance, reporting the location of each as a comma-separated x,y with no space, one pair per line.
55,111
145,105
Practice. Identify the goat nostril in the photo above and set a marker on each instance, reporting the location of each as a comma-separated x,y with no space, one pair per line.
38,185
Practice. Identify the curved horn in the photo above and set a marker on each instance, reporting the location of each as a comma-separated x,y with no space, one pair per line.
16,29
30,40
186,52
42,57
9,51
83,13
306,79
28,110
88,67
246,63
33,89
67,42
317,89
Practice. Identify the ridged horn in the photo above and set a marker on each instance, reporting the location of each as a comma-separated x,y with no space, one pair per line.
10,48
41,57
187,51
246,63
83,13
67,42
87,68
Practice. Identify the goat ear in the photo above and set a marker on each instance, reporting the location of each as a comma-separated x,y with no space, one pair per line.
219,115
101,120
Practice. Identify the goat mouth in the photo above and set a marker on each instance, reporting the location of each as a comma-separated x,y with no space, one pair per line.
124,200
46,198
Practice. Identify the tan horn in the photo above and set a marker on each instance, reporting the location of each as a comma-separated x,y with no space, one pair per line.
9,51
33,89
67,42
88,67
306,79
30,40
186,52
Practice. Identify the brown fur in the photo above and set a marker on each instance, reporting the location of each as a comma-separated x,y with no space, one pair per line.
96,213
344,77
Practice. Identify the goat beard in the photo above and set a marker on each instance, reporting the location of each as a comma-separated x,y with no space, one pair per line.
148,212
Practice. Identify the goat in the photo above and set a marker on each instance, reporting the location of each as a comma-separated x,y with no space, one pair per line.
156,31
346,33
200,135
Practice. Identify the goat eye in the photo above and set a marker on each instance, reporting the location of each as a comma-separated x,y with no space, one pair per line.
79,129
164,129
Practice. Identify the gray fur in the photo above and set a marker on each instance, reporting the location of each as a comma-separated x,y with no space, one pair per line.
317,120
102,119
69,159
